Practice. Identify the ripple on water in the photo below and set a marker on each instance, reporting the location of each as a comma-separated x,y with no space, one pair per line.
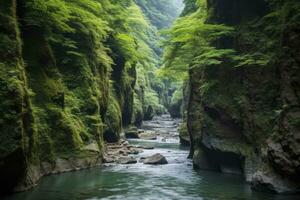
176,180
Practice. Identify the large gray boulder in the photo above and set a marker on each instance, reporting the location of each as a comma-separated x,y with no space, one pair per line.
156,159
268,181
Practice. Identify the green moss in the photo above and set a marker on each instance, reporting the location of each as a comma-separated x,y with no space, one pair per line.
183,131
55,90
113,119
138,112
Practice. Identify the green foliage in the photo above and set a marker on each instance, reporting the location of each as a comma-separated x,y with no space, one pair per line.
50,14
113,117
161,13
263,37
192,42
58,72
189,44
177,96
151,99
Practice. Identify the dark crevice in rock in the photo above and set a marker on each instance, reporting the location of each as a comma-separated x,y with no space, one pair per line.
12,170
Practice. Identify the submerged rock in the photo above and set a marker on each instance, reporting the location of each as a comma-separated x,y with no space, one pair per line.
156,159
148,147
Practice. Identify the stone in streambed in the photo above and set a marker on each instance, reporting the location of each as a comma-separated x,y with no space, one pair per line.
132,133
271,182
127,160
144,147
134,151
107,159
147,147
156,159
149,135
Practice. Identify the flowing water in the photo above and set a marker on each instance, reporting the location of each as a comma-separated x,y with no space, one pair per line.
176,180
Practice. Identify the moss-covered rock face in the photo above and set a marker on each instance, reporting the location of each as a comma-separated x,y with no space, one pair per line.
113,119
17,142
245,119
72,75
52,95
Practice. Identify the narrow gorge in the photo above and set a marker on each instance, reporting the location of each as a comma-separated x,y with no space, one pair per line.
155,99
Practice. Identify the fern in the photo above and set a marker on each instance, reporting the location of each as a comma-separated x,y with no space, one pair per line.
188,43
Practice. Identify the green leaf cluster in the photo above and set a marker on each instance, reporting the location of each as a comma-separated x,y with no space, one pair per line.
189,43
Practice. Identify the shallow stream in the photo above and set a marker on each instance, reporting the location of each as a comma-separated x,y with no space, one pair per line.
176,180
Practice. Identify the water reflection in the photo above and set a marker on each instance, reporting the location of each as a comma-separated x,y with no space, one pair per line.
176,180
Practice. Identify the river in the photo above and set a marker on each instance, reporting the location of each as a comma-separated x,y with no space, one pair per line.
176,180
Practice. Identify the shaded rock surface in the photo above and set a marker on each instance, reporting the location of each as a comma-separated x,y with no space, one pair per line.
247,120
121,152
131,132
270,181
127,160
156,159
160,130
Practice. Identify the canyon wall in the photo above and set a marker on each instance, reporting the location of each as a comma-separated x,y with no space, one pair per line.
73,74
243,113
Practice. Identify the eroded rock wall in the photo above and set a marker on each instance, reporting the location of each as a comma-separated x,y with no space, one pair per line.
56,95
245,120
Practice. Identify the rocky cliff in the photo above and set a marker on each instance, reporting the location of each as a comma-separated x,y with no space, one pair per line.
243,117
69,79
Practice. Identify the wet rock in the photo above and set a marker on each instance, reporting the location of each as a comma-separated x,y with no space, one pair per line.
127,160
141,131
156,159
142,159
149,114
148,147
148,135
184,135
124,152
185,140
271,182
125,143
108,160
132,133
92,147
134,151
114,146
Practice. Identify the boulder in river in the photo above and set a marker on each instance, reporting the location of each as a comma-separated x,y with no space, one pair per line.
127,160
147,147
156,159
148,135
132,133
270,181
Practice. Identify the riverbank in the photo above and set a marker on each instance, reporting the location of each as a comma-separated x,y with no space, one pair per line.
117,180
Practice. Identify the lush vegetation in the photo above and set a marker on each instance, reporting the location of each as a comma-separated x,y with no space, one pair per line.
240,62
161,13
72,72
191,42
